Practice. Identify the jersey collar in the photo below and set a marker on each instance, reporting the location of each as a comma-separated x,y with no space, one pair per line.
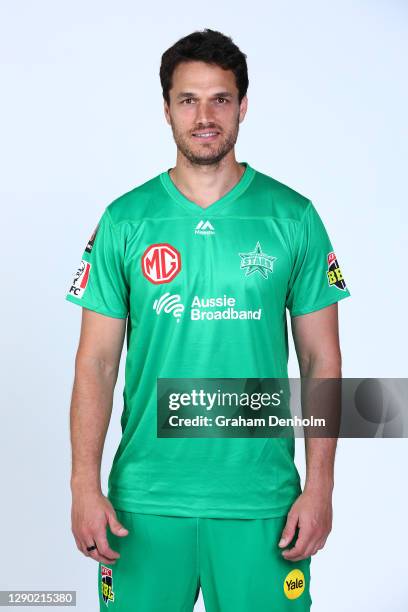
226,199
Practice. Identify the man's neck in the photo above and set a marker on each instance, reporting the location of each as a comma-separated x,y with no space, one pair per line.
206,184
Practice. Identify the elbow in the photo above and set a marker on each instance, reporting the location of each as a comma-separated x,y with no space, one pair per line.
323,364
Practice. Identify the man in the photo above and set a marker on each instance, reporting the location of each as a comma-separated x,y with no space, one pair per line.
224,514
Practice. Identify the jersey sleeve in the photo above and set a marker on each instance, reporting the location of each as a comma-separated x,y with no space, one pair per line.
99,283
316,280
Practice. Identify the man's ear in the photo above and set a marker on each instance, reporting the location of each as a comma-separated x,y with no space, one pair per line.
166,111
243,107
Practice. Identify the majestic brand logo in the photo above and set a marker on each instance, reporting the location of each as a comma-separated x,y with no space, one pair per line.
294,584
204,228
334,274
107,584
161,263
257,261
170,304
80,280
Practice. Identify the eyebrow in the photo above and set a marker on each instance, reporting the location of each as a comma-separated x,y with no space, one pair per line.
190,94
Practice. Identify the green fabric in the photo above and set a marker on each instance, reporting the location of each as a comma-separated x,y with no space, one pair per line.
165,560
266,248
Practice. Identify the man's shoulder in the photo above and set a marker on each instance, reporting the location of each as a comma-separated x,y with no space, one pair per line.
282,200
134,204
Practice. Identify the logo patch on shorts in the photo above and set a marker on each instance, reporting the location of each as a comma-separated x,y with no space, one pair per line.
91,240
294,584
80,279
334,275
161,262
107,584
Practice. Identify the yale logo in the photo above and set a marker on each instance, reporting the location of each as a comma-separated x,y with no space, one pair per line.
204,228
294,584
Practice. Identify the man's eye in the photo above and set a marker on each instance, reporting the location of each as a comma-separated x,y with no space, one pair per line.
188,100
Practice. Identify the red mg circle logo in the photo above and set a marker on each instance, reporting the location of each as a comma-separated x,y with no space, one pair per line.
161,263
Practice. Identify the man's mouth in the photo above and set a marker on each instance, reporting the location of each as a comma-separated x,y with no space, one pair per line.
206,135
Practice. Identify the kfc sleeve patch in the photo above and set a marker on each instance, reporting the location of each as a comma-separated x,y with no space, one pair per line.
80,280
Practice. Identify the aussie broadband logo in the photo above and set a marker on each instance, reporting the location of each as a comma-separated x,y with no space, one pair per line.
170,304
204,309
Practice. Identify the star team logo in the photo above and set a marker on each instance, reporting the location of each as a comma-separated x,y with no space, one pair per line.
161,262
257,261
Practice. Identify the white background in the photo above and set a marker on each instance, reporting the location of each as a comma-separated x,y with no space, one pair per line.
82,122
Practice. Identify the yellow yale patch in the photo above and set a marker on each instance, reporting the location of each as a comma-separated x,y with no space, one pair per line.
294,584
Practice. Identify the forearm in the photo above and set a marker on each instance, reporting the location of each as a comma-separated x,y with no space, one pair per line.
320,452
91,408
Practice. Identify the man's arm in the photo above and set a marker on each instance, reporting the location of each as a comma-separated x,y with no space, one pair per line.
316,338
96,370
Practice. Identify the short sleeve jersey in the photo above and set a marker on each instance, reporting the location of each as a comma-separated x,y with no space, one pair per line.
205,292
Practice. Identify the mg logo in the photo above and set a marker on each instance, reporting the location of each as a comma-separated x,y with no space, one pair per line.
161,263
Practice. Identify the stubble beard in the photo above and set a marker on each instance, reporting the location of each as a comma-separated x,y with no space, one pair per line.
210,155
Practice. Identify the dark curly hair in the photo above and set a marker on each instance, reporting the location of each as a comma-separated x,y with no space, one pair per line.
207,46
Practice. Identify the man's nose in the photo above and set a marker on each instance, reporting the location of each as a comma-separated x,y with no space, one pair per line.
204,113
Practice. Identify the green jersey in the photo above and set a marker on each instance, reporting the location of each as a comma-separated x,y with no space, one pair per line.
205,293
